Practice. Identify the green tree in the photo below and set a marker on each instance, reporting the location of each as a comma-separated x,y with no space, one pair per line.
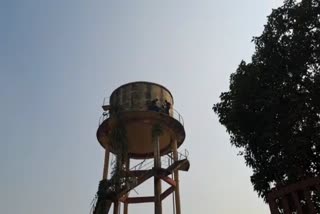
272,108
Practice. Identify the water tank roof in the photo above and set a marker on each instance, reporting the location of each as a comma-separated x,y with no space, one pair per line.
143,82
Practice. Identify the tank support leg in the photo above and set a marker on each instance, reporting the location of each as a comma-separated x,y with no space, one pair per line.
125,205
106,164
176,177
116,207
157,180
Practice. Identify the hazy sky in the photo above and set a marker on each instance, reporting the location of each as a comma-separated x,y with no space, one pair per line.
59,59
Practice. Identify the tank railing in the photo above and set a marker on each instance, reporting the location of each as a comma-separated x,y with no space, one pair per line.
105,101
177,116
174,113
105,115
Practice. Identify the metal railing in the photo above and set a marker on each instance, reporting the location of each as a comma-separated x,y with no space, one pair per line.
105,101
105,115
175,114
166,161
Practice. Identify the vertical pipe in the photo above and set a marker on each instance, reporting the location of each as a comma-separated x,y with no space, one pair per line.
176,177
116,207
116,203
173,196
157,180
106,164
103,206
125,205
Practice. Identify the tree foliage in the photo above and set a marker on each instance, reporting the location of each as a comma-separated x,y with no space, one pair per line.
272,108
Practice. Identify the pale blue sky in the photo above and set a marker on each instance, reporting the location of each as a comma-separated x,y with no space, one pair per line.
59,59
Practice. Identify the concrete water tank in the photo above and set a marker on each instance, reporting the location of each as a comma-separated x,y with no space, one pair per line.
140,106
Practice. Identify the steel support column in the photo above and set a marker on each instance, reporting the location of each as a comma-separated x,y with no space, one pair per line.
106,164
125,205
157,180
176,176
